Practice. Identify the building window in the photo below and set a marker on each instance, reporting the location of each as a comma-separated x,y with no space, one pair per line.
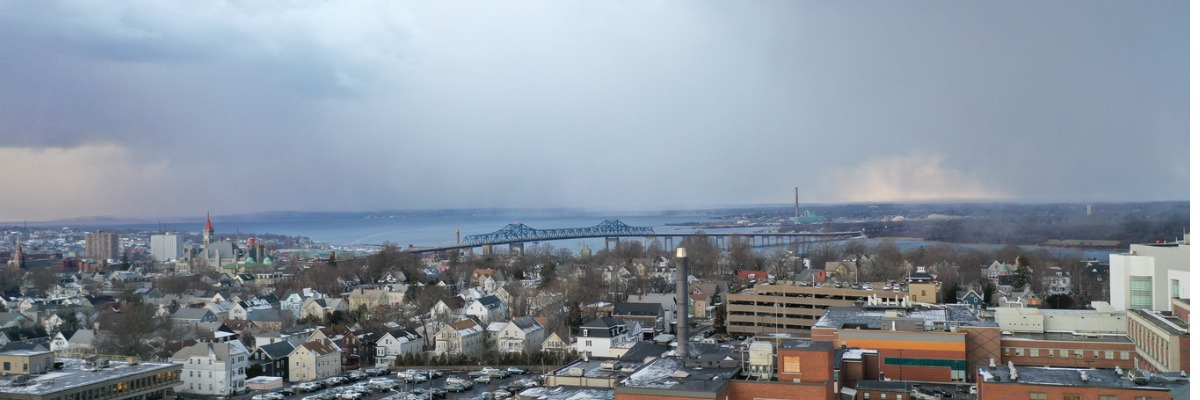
1108,397
1124,355
1037,396
1071,396
1033,352
1020,352
866,395
1175,288
1062,353
1141,292
1108,354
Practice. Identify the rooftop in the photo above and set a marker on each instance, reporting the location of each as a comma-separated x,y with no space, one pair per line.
567,393
670,373
1104,378
1068,337
1164,321
871,317
73,375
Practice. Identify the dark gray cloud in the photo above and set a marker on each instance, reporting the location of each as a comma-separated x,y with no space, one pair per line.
246,106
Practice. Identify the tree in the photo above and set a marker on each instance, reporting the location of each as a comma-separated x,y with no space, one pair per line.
549,275
1022,274
125,330
10,278
741,252
41,280
702,254
719,318
1060,302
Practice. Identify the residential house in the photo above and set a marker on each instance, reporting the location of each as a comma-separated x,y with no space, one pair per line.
1056,281
449,307
367,298
606,337
11,319
395,344
268,318
272,360
358,347
650,315
295,300
521,335
970,296
554,343
700,304
196,317
321,308
487,309
462,337
213,368
313,360
73,341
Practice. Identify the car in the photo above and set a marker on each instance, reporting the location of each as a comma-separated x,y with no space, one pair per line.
855,286
350,395
974,389
381,384
375,371
415,378
316,396
475,374
499,374
308,387
267,396
517,371
502,394
433,373
483,379
356,375
455,387
455,380
437,393
287,391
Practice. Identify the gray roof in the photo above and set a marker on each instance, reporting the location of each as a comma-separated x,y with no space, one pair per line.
191,313
220,351
1107,378
637,309
278,350
491,301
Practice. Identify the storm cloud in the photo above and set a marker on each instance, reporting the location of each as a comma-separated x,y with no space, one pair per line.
171,108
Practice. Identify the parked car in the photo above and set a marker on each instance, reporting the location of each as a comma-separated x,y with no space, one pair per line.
455,380
437,393
483,379
502,394
516,370
308,387
455,387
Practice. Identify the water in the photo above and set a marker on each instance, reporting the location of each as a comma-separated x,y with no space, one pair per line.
437,228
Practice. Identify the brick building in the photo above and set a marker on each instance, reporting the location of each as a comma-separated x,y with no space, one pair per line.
1002,382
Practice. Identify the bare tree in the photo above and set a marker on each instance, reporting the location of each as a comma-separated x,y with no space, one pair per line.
41,280
125,330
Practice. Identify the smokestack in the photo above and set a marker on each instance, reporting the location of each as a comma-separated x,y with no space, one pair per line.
457,237
797,220
681,304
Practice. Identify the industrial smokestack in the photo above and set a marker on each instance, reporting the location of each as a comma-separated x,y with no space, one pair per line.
681,304
797,220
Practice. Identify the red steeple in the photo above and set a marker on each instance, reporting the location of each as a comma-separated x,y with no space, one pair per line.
208,223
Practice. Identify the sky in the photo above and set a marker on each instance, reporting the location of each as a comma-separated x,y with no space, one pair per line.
174,108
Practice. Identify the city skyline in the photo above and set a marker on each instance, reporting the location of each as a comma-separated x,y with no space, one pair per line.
166,109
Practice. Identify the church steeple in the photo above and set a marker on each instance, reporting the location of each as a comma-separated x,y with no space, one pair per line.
208,229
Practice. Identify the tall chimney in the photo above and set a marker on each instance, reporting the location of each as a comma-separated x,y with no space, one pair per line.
457,237
797,220
681,304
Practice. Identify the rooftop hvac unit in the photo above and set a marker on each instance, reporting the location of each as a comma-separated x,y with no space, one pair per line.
609,365
575,372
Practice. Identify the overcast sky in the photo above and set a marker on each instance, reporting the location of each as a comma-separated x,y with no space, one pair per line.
171,108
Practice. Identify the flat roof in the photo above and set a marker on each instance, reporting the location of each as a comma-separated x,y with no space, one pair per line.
567,393
1169,323
872,318
72,376
1066,337
669,373
1104,378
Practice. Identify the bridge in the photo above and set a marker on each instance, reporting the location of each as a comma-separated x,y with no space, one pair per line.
516,235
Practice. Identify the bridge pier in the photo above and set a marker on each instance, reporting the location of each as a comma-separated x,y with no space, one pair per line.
516,249
616,243
486,249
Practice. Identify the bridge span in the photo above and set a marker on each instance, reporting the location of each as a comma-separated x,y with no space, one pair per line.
516,235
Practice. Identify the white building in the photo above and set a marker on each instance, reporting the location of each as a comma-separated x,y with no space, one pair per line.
487,309
213,368
521,335
396,344
607,337
166,247
462,337
313,360
1149,275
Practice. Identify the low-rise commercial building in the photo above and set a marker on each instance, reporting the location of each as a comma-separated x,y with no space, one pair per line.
1161,339
1004,382
78,379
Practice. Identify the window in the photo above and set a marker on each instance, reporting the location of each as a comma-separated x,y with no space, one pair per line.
1108,354
1078,353
1062,353
1175,288
866,395
1141,292
7,366
1108,397
1020,352
1037,396
1033,352
899,396
1072,396
1124,355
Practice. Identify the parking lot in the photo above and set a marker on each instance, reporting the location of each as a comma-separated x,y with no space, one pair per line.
402,389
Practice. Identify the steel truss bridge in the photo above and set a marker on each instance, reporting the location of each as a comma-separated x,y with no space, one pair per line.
516,235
